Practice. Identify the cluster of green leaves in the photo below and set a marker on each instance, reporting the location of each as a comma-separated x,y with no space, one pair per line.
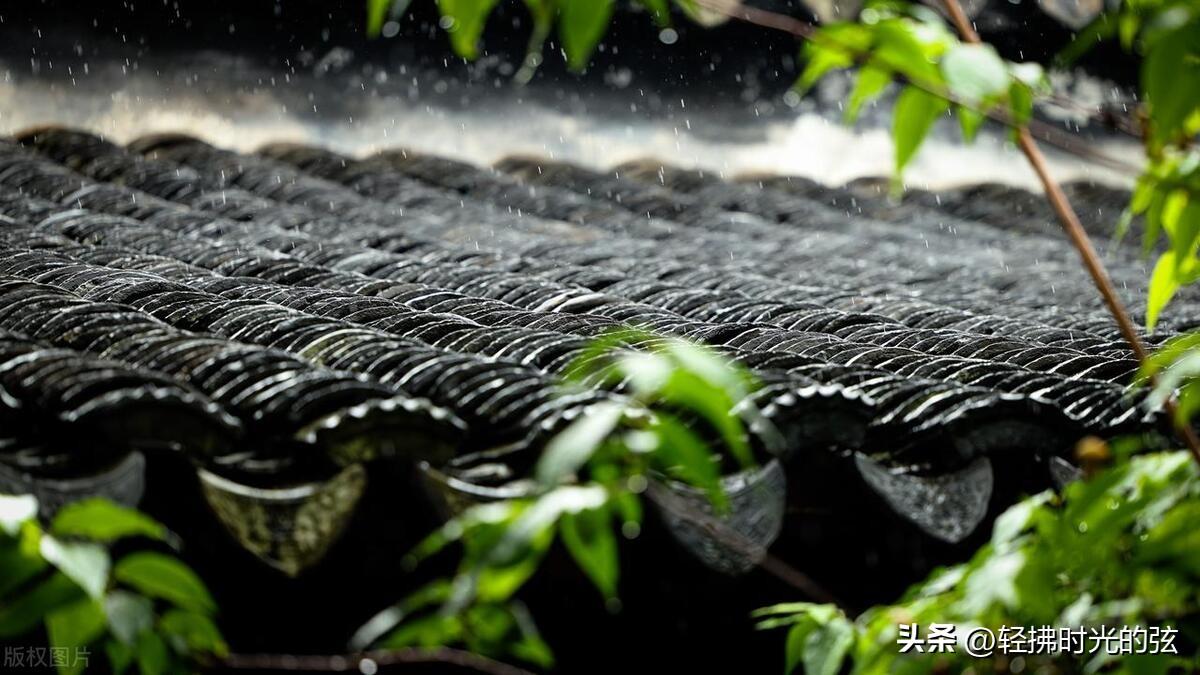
581,24
148,609
1166,33
1118,549
587,492
896,41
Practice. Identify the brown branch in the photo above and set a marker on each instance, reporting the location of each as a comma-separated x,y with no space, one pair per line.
752,549
362,662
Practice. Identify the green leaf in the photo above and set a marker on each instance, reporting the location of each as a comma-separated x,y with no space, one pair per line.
120,656
659,9
969,122
197,633
28,610
571,449
581,24
464,21
687,391
871,82
434,592
826,647
1020,99
1171,79
589,538
73,627
20,563
436,630
1163,283
834,47
15,511
914,115
376,13
702,14
993,584
86,564
162,576
104,521
974,72
1013,522
683,454
541,516
709,365
911,49
151,653
128,614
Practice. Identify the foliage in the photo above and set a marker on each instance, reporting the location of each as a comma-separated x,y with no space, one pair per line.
1166,33
1117,549
147,610
911,44
589,483
581,24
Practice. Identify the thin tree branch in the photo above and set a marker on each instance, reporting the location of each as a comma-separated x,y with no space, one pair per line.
366,661
751,549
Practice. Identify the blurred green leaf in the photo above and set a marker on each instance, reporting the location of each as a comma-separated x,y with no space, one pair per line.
151,654
685,456
104,521
196,632
835,48
914,115
571,449
974,72
589,538
74,627
826,646
969,122
1164,282
434,630
433,593
542,515
1020,98
15,511
19,563
20,614
86,564
162,576
1171,79
912,49
703,14
464,21
581,24
128,615
376,13
871,82
686,391
120,656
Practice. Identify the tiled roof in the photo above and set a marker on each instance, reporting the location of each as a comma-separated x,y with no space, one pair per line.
283,315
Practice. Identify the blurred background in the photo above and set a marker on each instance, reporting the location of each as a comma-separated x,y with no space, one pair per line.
244,73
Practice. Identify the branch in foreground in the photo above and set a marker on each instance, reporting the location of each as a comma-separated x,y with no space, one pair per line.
366,662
